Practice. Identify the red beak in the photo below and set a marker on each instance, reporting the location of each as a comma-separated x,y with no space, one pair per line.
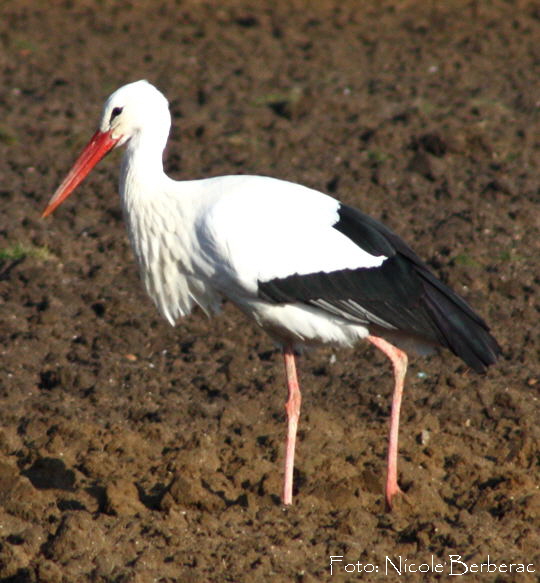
97,147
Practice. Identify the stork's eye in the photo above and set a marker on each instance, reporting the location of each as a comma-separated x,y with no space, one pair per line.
115,112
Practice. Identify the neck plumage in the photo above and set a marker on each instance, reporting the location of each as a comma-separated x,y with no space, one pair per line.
141,173
156,223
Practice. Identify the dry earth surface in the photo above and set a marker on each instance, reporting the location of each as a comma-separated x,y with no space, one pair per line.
131,451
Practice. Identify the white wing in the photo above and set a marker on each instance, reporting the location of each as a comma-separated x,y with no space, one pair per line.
258,228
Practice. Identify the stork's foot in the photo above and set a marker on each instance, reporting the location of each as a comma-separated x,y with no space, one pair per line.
392,490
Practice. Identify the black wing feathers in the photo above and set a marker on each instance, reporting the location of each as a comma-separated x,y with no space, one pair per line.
465,333
366,232
402,294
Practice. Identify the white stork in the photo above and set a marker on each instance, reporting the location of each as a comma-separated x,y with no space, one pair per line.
306,268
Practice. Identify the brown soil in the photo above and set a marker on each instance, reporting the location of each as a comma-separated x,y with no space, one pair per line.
132,451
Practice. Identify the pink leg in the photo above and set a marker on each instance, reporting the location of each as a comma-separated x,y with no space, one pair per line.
399,362
293,413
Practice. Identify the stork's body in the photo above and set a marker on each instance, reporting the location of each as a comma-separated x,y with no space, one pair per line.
304,267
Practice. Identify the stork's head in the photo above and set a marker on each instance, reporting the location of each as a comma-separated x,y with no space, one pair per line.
135,107
131,111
